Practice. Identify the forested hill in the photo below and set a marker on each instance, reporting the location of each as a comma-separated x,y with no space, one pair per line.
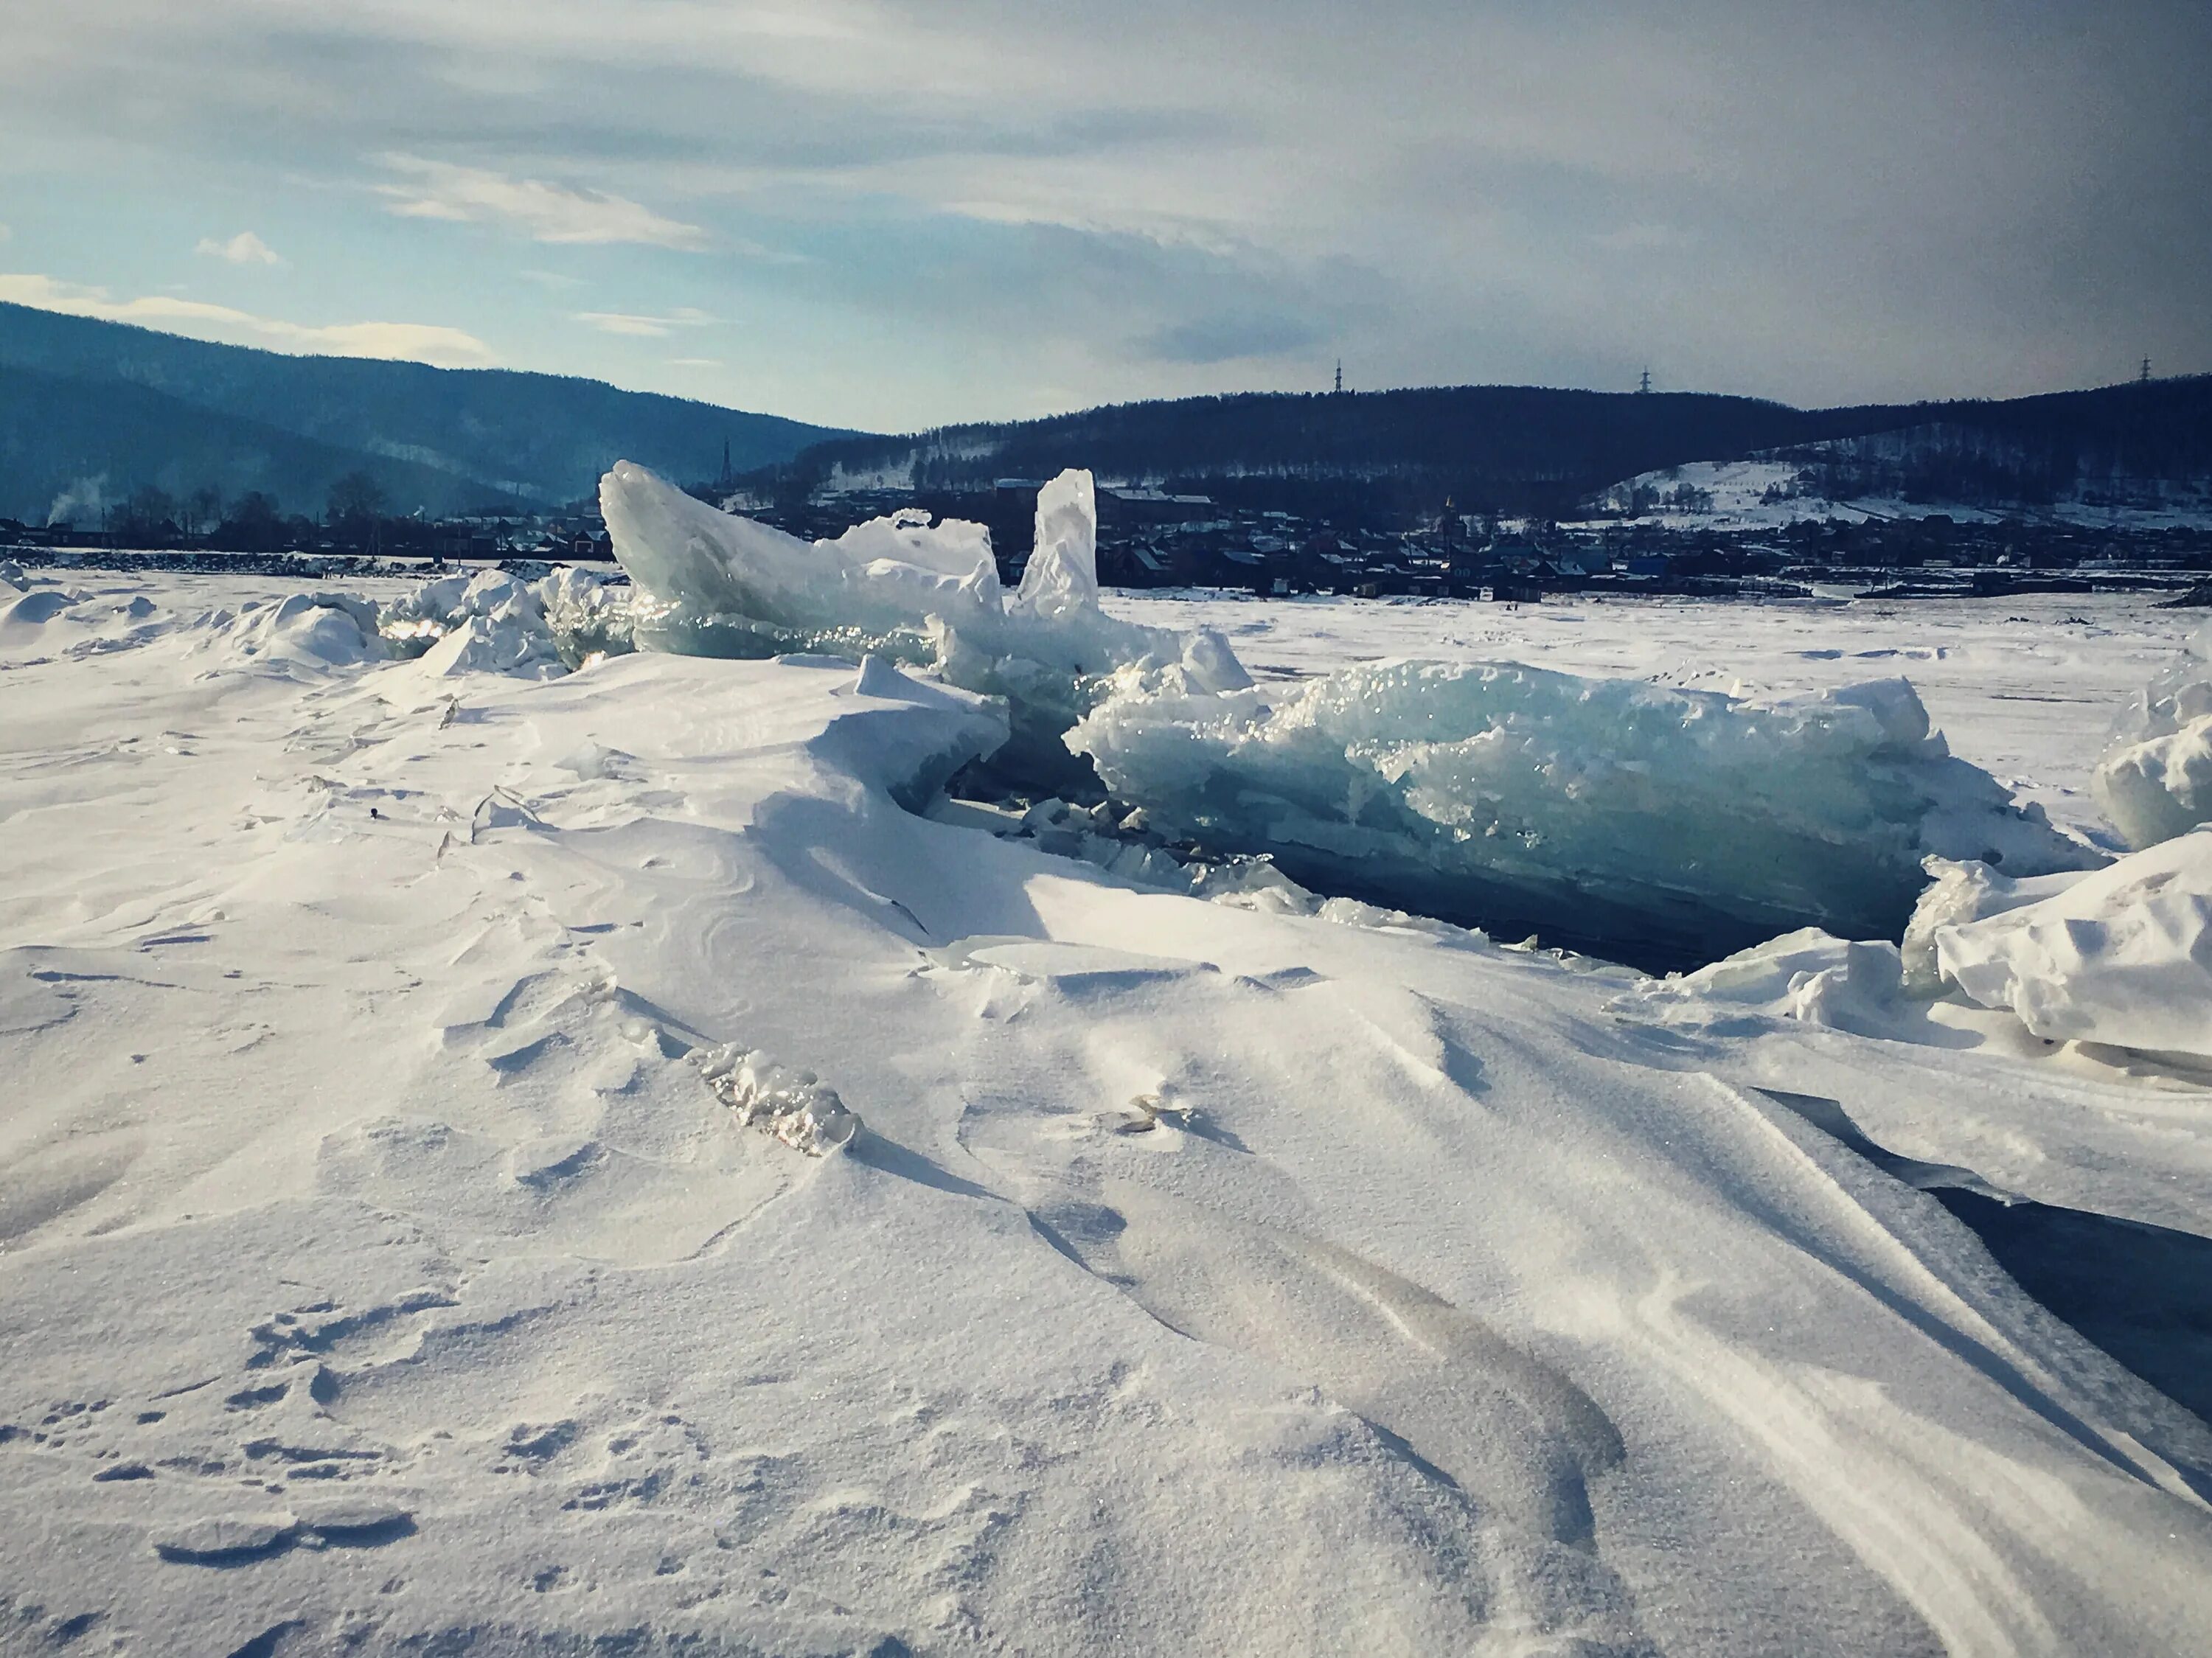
1512,448
189,414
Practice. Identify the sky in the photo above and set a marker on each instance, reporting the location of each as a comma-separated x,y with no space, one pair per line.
888,215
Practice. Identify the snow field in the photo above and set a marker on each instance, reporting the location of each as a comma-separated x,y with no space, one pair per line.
381,1264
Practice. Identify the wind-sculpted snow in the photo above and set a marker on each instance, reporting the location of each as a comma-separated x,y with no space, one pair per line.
1644,820
2155,780
387,1267
710,584
2120,957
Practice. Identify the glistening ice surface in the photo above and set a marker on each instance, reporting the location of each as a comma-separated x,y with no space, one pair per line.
1647,822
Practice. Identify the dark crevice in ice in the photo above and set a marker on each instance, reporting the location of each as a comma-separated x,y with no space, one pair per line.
1499,914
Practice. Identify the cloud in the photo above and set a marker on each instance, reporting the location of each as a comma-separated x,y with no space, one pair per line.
656,328
408,341
1225,338
545,212
244,248
695,363
1848,201
553,279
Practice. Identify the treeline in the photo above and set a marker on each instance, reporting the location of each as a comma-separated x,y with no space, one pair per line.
355,518
1516,449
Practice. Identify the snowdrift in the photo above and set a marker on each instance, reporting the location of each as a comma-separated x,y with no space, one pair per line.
710,584
2155,780
2119,958
1640,820
412,1243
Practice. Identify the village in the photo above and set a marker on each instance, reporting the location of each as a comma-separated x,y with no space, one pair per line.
1152,538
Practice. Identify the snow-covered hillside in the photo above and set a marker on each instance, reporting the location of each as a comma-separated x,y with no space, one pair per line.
1763,492
394,1260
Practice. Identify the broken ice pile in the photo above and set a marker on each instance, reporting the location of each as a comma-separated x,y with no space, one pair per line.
794,1106
489,623
1636,820
2155,780
2122,956
925,595
2117,960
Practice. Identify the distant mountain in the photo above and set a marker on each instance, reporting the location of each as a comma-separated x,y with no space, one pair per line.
1508,448
184,413
69,447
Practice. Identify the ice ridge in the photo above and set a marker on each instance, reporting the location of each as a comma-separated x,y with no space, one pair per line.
1657,825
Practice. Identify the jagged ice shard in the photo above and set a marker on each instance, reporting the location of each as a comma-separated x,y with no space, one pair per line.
1657,825
2154,781
710,584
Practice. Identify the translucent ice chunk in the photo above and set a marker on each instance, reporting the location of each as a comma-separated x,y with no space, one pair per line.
914,593
2155,780
1656,824
793,1106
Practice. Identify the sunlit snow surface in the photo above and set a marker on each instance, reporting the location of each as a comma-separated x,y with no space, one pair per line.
382,1266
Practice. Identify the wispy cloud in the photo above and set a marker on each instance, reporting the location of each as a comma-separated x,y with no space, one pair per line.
406,341
545,212
244,248
695,363
637,327
554,279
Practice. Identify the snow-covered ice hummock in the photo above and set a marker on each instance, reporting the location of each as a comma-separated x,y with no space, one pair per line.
489,623
2155,780
709,584
2119,958
2122,956
301,634
1635,818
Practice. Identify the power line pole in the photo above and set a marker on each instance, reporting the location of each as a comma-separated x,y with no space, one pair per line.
2146,370
1645,385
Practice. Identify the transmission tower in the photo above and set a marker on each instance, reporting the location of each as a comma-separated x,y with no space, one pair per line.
1645,385
2145,376
1339,377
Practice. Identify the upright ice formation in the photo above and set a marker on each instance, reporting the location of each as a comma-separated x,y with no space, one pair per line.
710,584
585,617
2123,956
1061,578
1632,819
2155,780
